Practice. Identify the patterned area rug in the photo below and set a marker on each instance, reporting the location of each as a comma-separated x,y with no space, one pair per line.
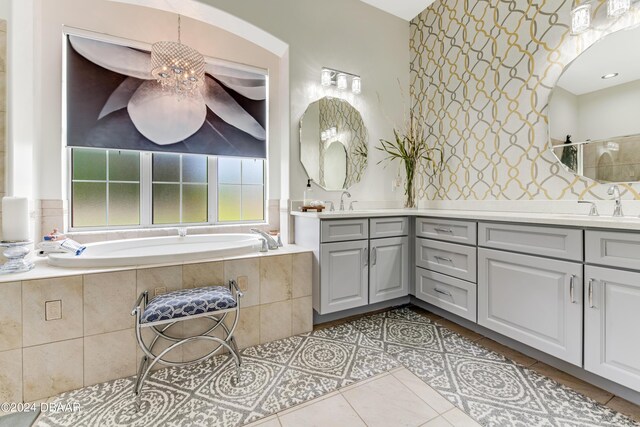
490,388
275,376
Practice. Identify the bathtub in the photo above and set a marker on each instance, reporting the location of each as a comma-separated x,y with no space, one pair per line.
159,250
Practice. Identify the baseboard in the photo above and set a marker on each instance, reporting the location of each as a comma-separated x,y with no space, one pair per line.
324,318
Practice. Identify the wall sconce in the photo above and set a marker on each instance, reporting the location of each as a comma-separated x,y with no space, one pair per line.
581,18
581,13
340,79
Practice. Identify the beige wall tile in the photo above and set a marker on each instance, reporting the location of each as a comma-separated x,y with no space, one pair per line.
275,321
53,368
173,356
301,315
247,332
10,316
109,356
35,329
11,376
275,278
108,298
302,275
150,279
204,274
247,273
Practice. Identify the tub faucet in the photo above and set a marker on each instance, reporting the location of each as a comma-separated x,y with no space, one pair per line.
344,193
182,232
615,192
271,242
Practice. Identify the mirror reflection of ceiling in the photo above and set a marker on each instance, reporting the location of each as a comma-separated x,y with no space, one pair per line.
333,143
594,107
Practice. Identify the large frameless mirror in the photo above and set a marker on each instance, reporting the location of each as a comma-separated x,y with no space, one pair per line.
333,143
593,110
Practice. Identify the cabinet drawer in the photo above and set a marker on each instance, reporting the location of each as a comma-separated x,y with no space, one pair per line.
446,229
451,294
447,258
547,241
344,229
612,248
388,227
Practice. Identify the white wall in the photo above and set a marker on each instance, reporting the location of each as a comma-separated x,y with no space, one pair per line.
351,36
610,112
563,115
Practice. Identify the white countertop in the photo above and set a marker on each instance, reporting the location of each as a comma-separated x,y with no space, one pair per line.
560,219
45,271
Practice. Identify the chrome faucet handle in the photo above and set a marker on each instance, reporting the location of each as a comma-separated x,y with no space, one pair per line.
265,246
332,208
615,192
351,204
344,193
594,208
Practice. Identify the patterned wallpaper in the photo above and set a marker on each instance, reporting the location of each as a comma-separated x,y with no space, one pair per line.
481,75
351,132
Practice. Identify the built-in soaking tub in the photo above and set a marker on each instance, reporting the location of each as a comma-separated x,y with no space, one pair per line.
159,250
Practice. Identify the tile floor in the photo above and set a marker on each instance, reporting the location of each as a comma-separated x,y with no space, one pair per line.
398,367
395,398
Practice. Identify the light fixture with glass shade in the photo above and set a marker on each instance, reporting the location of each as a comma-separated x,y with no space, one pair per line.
340,79
177,67
581,18
617,7
356,85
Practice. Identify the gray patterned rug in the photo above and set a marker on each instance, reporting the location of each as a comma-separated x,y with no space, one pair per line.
275,376
490,388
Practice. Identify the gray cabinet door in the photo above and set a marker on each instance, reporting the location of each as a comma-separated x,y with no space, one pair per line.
389,270
344,277
611,330
534,300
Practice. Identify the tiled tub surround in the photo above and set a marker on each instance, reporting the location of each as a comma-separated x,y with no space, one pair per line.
92,340
393,368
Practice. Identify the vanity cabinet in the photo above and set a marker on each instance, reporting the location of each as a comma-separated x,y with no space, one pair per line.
611,330
537,301
345,275
389,269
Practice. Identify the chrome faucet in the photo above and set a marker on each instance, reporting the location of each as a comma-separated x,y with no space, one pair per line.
271,242
594,209
615,192
344,193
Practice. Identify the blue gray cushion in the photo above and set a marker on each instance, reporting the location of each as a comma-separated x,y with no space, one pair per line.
188,302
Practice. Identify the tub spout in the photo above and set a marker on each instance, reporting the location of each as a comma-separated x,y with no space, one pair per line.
271,242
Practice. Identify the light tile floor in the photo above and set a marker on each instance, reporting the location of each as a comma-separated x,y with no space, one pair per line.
395,398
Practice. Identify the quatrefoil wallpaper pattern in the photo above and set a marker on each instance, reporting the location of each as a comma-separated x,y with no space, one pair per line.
481,75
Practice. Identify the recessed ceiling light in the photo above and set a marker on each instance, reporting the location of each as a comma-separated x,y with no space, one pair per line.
609,76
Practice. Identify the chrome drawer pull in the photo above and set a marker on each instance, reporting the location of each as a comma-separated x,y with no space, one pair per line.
572,300
591,293
374,256
365,256
444,230
438,258
440,291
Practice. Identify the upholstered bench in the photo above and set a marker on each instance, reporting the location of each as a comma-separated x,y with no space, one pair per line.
166,310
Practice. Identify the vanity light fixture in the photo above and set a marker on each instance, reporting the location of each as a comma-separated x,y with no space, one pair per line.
609,76
581,18
330,133
177,67
617,7
340,79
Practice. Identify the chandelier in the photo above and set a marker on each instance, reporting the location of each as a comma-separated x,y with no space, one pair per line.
177,67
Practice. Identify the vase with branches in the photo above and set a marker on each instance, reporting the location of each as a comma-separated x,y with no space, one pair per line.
411,147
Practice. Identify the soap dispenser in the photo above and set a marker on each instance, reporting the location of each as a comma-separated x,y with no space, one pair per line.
308,193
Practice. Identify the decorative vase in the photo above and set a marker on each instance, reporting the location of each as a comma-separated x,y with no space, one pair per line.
410,199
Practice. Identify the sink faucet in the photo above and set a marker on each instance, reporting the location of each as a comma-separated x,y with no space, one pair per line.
593,211
271,242
615,192
344,193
